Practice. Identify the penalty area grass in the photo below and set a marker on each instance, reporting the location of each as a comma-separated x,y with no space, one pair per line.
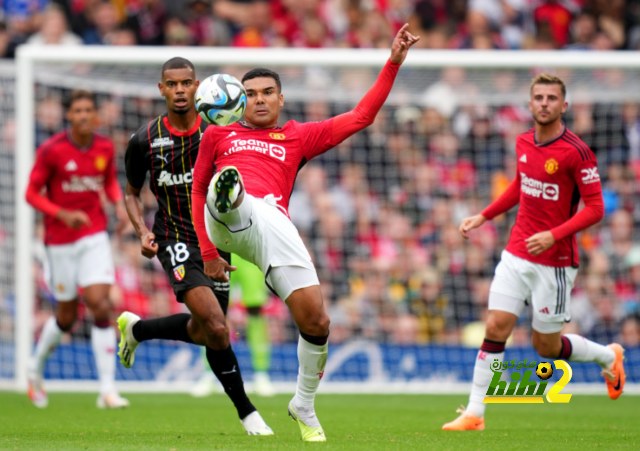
175,422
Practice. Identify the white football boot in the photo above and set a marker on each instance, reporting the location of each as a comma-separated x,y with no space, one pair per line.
255,425
112,401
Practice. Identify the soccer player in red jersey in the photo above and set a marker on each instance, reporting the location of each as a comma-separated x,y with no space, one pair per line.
74,167
255,165
555,170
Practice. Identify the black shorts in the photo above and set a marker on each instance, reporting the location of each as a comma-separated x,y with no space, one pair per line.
185,268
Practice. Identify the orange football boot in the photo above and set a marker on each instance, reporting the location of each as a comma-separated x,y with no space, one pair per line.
615,376
465,422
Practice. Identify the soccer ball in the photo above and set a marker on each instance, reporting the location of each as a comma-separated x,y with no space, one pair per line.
221,99
544,370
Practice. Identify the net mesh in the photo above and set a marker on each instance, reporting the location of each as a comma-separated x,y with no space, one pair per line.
379,213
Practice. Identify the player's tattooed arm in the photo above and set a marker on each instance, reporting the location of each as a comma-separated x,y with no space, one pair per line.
218,268
133,204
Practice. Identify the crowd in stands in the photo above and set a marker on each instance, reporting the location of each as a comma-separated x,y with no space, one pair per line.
380,216
380,212
442,24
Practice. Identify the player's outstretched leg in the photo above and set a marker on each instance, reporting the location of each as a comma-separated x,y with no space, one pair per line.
308,311
499,326
576,348
225,200
49,340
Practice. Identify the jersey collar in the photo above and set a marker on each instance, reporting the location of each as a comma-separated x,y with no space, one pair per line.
189,132
75,144
244,124
552,140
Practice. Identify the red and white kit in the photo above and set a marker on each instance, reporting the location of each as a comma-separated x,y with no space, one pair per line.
74,179
268,161
552,178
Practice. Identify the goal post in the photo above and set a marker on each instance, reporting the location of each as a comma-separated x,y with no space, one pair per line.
33,65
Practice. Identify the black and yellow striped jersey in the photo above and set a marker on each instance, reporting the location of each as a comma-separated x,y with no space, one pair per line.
169,156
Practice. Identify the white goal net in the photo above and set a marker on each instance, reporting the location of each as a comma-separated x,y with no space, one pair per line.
379,213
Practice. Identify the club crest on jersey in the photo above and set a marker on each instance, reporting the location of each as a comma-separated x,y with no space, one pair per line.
179,272
100,163
551,166
161,142
277,135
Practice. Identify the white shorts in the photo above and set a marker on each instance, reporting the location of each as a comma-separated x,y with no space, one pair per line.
82,263
548,288
262,235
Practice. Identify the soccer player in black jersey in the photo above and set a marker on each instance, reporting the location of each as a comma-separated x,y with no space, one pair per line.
167,148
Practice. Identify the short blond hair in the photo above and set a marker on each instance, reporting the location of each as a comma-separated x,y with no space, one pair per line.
546,79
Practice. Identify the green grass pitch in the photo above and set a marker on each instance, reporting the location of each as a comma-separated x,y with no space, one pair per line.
358,422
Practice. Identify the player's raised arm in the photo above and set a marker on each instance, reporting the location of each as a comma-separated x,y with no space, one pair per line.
365,112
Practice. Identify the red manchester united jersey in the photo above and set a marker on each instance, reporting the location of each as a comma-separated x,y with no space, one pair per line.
553,176
268,159
74,178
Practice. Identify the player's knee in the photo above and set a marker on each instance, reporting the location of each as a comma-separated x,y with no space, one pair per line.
215,329
496,330
318,326
65,320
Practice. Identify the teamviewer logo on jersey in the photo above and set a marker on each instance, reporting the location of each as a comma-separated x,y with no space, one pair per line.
538,189
550,191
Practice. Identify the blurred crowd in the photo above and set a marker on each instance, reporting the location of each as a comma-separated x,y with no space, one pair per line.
442,24
380,216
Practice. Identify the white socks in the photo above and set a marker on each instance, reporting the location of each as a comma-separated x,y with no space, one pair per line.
49,339
103,343
313,359
583,350
482,376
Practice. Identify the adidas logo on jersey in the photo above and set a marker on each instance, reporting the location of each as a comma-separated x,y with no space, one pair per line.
169,179
231,134
71,166
523,158
161,142
544,310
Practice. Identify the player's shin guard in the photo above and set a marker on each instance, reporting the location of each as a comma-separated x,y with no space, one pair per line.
576,348
482,374
49,339
172,327
312,358
225,366
103,343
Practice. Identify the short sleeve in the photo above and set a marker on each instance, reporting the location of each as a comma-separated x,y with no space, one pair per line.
316,137
135,162
587,177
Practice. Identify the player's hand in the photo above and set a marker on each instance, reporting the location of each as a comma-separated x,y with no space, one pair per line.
401,44
470,223
149,246
74,219
540,242
218,269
